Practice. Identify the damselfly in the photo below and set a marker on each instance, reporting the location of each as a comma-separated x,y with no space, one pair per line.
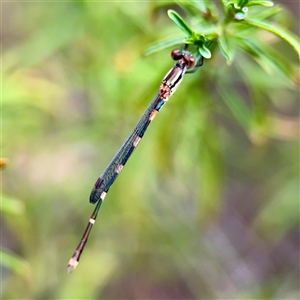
185,62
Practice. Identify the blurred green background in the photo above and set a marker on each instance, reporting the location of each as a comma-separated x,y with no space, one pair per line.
204,208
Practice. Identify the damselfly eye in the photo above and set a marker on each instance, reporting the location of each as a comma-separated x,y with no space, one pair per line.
191,61
176,54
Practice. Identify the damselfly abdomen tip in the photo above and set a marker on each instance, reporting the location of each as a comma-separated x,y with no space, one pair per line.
72,265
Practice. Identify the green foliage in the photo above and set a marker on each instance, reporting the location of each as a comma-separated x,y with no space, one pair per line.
14,263
234,28
230,28
207,205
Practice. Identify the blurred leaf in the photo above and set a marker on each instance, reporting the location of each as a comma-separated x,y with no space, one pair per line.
281,214
45,41
268,13
212,165
241,3
236,105
265,57
260,2
14,263
192,9
277,30
12,205
224,47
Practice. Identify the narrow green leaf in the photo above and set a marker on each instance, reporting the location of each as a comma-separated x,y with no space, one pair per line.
193,8
174,16
225,47
268,13
260,2
288,37
265,57
14,263
242,3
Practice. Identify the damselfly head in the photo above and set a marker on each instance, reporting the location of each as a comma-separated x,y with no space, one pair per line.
191,61
188,58
176,54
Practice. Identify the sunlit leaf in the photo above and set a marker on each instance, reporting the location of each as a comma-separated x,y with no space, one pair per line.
174,16
268,13
260,2
193,8
205,52
242,3
11,205
14,263
282,33
226,48
266,57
